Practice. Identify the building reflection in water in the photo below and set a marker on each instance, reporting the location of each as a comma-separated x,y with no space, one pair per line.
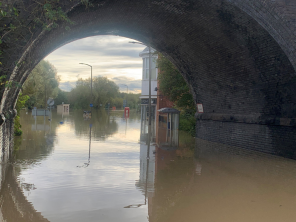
156,150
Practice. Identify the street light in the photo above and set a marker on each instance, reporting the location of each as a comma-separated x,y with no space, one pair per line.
90,77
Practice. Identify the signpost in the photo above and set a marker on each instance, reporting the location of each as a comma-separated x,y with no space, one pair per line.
91,105
50,102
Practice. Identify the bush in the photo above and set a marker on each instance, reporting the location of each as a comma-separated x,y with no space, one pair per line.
187,123
17,126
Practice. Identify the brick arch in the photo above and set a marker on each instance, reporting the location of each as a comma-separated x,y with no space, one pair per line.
237,56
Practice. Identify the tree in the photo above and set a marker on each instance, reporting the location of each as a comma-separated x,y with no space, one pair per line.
132,99
62,97
103,91
173,86
41,84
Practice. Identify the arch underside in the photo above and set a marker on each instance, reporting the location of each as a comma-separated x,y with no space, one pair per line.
234,67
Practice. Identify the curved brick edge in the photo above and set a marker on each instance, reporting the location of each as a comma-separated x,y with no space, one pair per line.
6,134
248,119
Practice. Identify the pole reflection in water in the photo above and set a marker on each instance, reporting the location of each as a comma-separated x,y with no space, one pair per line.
146,172
89,147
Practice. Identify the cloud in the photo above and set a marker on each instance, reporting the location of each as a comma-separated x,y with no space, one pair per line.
67,86
109,56
134,85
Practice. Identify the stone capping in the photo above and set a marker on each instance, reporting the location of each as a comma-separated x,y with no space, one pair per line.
249,119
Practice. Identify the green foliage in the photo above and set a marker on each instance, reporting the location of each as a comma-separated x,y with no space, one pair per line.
41,84
17,32
17,126
173,86
117,102
132,100
62,97
21,101
187,123
8,84
103,92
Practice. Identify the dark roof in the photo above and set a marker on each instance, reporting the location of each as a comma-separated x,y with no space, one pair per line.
169,110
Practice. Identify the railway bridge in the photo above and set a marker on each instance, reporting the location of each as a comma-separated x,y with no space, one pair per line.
237,56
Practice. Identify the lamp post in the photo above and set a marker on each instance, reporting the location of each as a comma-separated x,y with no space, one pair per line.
90,79
149,105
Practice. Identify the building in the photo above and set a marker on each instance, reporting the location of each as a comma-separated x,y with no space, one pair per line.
63,108
145,92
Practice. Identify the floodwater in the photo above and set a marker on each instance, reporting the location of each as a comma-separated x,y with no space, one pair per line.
72,169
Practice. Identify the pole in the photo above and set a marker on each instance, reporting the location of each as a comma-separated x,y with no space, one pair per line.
91,99
149,105
91,82
44,100
91,96
126,94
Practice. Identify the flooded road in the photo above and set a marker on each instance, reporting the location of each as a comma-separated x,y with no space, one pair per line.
71,169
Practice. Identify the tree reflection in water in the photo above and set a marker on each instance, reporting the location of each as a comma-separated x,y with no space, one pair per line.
103,124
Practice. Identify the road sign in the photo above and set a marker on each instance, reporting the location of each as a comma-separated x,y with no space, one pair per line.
40,112
50,101
91,105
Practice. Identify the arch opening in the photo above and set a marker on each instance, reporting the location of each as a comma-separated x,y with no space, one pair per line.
234,67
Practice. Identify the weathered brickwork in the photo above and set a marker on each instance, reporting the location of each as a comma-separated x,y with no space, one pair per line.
268,139
238,56
6,140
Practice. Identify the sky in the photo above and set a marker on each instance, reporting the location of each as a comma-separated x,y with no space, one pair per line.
110,56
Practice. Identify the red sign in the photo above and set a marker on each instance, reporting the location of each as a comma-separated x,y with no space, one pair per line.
126,112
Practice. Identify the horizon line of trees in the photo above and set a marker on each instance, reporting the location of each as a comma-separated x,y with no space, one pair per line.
104,92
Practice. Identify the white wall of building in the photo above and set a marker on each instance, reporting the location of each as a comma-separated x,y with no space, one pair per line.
145,73
145,89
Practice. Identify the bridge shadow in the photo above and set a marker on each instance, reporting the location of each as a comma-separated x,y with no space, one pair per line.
14,205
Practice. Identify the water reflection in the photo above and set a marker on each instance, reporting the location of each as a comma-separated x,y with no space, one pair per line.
198,181
103,124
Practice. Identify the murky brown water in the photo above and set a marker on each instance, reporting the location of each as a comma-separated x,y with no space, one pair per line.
59,172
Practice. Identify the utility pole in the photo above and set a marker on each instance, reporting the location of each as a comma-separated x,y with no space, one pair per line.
91,97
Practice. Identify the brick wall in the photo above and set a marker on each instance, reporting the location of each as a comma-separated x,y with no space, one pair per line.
278,140
6,139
